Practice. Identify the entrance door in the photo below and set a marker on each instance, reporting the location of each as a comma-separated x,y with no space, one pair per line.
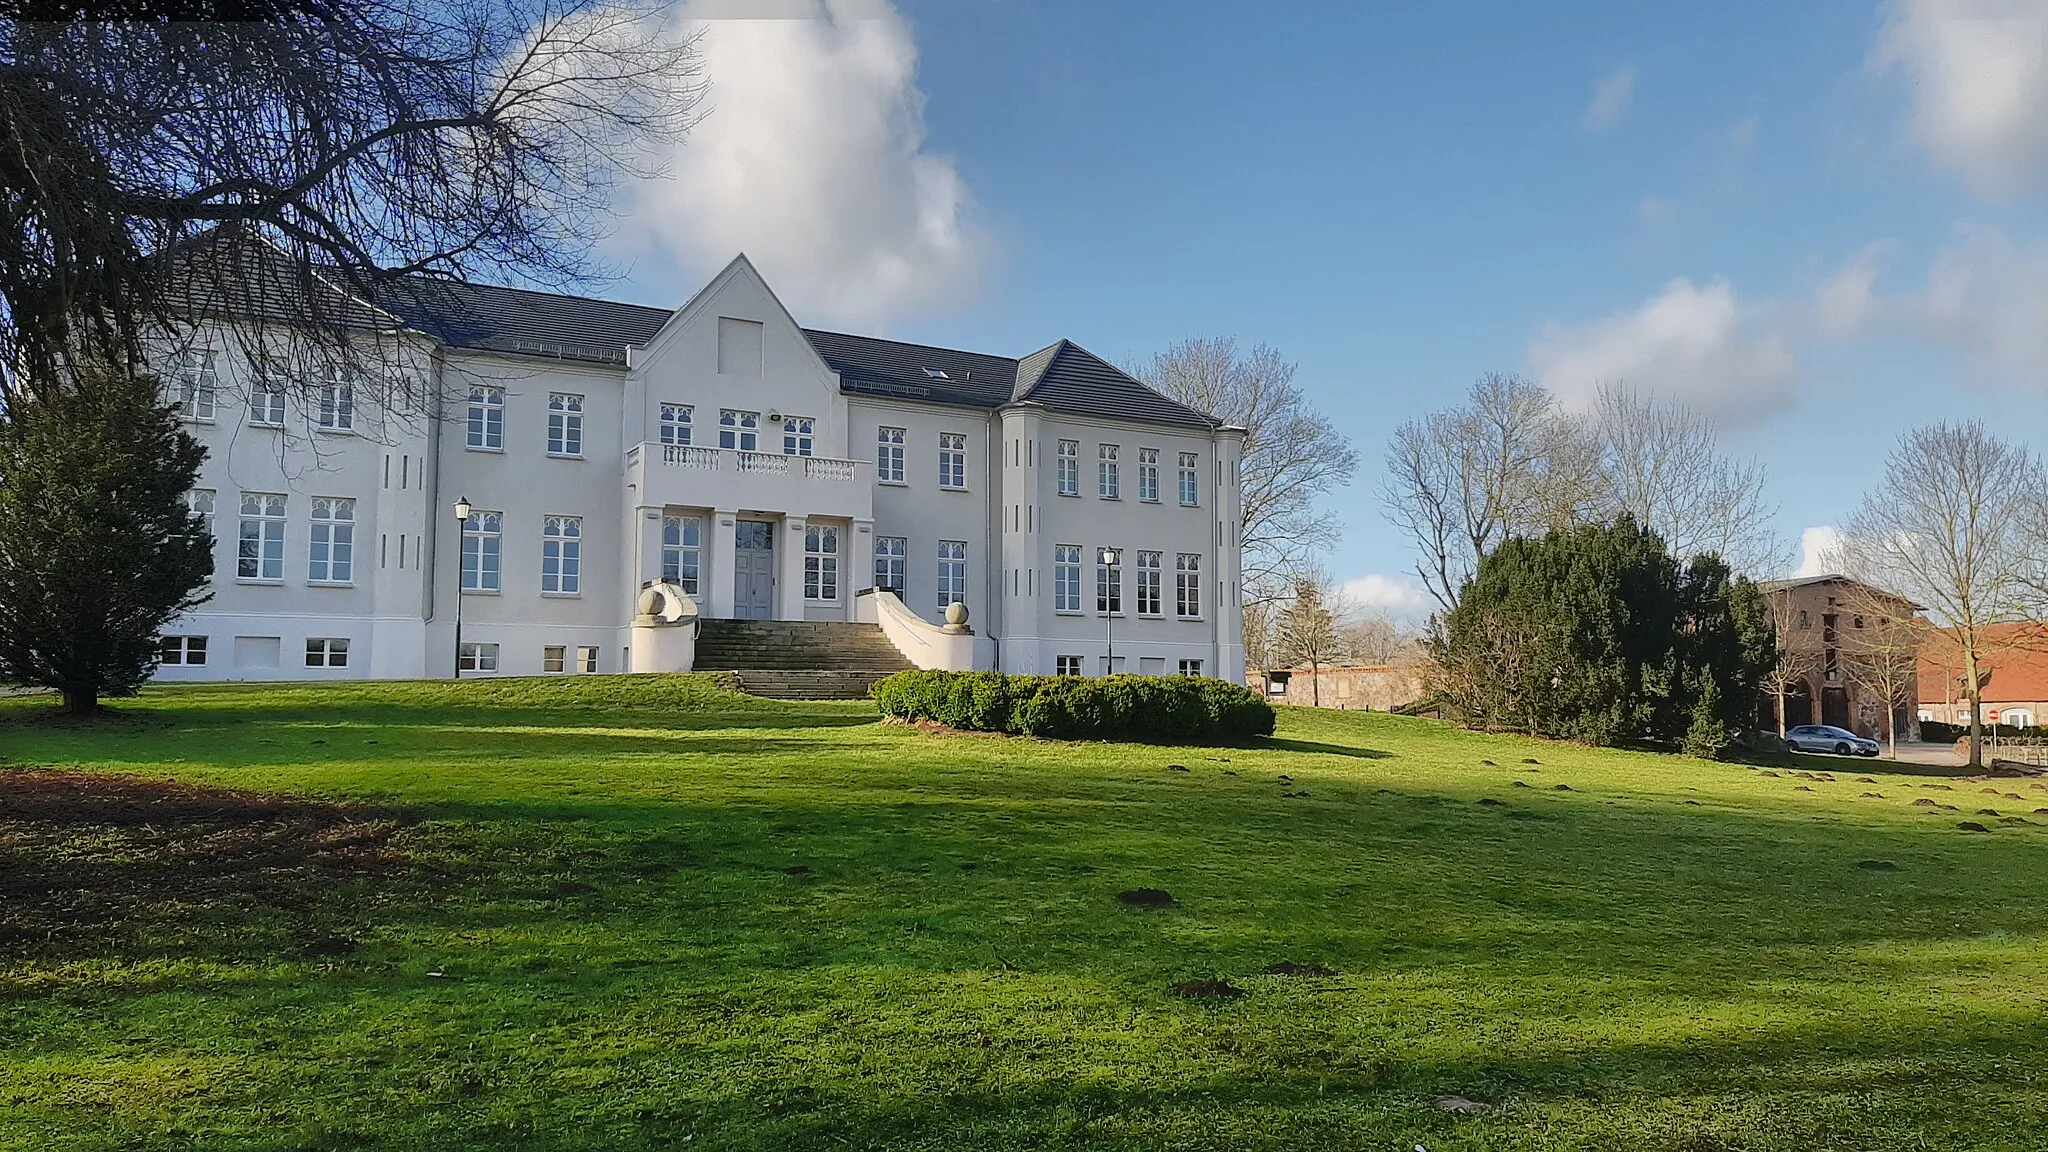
1834,707
753,596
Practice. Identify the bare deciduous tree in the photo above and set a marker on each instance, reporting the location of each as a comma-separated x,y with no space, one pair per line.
1309,629
1661,463
1795,663
1510,462
1293,455
1946,528
1881,652
362,145
1377,640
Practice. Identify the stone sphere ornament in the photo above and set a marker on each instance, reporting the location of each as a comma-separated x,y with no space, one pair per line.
956,615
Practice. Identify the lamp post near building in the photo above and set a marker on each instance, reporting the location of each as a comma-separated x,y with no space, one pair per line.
1109,558
461,528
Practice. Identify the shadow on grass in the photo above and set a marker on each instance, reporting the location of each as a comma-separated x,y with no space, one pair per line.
1318,748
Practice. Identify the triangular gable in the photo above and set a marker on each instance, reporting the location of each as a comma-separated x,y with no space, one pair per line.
693,307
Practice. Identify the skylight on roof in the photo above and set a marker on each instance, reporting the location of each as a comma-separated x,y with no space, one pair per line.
937,374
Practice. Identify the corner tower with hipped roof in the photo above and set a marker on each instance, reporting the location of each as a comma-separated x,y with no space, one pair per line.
768,471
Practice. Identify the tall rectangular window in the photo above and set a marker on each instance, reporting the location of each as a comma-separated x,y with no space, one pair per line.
682,544
1066,578
1109,586
266,402
561,554
200,501
481,535
1187,585
477,658
1070,467
1189,484
197,385
336,411
821,562
675,423
889,554
260,555
740,430
952,460
889,455
554,658
796,435
1151,582
185,650
1108,484
1148,474
326,652
331,556
486,431
565,424
952,572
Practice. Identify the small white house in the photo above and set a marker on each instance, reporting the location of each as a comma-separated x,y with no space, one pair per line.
764,470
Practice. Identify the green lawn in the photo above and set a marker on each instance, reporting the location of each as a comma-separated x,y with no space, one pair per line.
579,934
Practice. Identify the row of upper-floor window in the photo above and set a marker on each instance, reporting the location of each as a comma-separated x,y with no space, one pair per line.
1109,473
196,395
952,460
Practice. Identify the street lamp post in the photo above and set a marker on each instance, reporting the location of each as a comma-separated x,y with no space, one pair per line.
461,528
1111,594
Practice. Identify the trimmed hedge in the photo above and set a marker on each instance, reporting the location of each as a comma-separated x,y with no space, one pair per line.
1935,732
1176,708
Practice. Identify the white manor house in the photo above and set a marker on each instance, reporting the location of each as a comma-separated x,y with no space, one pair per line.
634,476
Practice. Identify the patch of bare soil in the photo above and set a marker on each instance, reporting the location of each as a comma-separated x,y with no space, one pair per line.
1146,898
88,859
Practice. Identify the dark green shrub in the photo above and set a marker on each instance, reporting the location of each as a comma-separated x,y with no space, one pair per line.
1159,708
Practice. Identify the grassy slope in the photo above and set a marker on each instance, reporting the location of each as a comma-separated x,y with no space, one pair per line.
1623,967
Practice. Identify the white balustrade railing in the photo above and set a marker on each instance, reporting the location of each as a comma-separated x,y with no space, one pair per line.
824,468
758,463
689,456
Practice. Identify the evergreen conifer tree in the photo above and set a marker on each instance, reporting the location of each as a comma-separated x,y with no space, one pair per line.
98,548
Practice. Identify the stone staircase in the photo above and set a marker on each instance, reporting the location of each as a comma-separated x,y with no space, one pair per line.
798,659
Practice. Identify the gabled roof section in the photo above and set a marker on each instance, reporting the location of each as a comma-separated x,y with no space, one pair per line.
871,366
1077,381
523,321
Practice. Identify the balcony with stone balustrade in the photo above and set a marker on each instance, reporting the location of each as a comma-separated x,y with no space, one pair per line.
698,476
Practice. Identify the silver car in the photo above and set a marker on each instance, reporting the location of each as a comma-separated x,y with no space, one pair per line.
1828,738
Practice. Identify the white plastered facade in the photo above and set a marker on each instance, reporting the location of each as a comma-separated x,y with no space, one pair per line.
731,347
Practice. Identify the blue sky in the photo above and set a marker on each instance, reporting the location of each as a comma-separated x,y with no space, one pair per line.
1821,222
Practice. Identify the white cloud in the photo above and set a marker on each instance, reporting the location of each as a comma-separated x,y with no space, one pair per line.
1817,547
1395,596
1987,297
1611,100
1844,300
1690,343
811,158
1979,72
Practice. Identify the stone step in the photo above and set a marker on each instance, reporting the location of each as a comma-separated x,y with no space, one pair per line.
788,646
780,684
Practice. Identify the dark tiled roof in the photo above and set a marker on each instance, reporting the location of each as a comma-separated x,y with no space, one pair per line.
1076,380
520,320
876,367
1065,378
